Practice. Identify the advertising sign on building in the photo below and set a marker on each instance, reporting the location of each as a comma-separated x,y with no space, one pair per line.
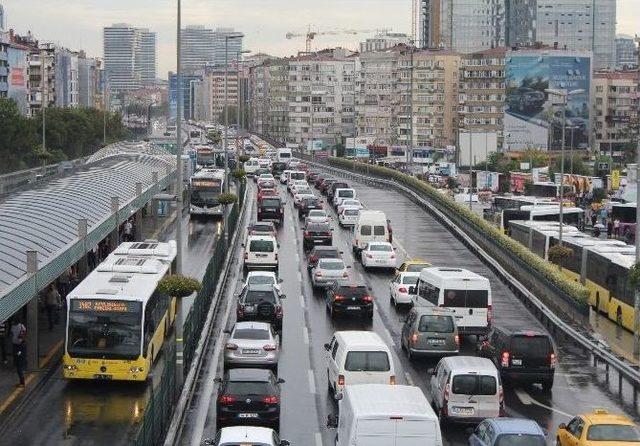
531,117
315,145
517,180
487,180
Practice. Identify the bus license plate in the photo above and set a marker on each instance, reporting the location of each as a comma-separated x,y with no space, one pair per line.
103,377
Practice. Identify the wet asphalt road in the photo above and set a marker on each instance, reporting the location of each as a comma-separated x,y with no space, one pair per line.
100,413
578,387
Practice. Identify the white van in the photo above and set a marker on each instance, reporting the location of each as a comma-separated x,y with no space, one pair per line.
284,155
349,216
384,415
251,165
343,194
295,175
465,293
358,357
261,252
467,389
372,226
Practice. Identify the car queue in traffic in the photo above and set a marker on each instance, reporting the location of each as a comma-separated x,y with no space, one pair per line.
444,307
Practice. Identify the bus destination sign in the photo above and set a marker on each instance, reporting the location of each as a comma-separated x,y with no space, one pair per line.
105,306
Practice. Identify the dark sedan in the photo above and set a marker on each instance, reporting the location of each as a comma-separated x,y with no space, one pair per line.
308,204
316,234
349,299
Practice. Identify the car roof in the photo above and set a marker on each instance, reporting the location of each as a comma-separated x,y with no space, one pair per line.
325,248
269,238
516,426
249,374
473,364
252,324
383,400
360,338
260,287
380,243
601,416
239,434
433,310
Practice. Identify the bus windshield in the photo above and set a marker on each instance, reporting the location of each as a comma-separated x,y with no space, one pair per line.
104,329
205,191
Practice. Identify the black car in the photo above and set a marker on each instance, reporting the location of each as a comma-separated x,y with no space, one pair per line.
521,355
271,209
277,168
318,181
351,299
249,396
331,190
308,204
325,185
262,303
316,234
312,177
322,252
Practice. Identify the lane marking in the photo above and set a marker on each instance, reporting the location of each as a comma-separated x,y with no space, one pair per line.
318,439
312,381
299,276
305,335
386,330
527,400
302,304
409,378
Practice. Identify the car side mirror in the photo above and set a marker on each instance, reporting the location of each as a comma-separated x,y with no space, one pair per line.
338,396
341,252
327,346
208,441
562,426
280,381
280,280
370,289
242,245
332,421
283,296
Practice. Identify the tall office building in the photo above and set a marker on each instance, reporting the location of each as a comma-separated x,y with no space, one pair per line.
234,46
582,25
465,26
2,23
626,56
197,47
129,57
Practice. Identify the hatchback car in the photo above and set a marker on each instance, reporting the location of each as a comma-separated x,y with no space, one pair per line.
508,432
261,252
429,331
264,192
301,194
316,234
351,203
598,428
250,435
252,344
260,303
249,396
400,288
322,252
348,216
349,299
262,278
263,228
378,255
328,271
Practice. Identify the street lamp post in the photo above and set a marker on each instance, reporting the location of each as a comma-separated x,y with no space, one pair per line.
239,94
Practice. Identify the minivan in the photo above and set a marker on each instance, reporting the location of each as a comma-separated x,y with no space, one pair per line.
372,226
357,357
466,389
464,292
521,355
429,331
260,251
343,194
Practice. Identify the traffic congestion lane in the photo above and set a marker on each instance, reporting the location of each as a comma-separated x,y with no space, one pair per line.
98,412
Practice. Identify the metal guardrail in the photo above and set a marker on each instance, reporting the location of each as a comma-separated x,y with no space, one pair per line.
550,319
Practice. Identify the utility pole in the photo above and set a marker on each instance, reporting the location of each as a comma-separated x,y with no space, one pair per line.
179,179
105,109
44,106
226,121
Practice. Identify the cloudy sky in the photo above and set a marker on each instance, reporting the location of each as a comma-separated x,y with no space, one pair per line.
77,24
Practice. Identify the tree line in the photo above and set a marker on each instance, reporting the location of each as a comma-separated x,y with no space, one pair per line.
70,133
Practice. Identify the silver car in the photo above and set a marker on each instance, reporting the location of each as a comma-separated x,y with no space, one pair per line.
252,344
328,271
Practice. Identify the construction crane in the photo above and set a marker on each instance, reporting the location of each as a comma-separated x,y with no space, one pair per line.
311,35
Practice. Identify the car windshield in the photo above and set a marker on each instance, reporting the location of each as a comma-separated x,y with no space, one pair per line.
613,432
474,385
345,194
520,440
410,280
254,334
436,324
261,246
380,248
416,267
317,213
367,362
262,227
255,296
261,280
331,265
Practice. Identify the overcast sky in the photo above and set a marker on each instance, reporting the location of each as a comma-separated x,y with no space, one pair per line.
77,24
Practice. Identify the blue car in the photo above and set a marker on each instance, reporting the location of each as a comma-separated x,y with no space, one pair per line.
508,432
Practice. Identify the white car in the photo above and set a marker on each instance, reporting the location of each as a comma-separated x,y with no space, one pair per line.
378,255
328,271
294,185
351,202
263,278
284,176
261,251
249,435
348,216
317,216
299,196
400,286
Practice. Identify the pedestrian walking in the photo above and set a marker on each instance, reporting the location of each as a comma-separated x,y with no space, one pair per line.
92,258
594,218
4,330
609,228
52,304
128,231
18,338
64,283
603,216
616,227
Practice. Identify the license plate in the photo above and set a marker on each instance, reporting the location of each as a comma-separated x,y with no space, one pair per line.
247,415
436,341
101,376
353,308
250,351
261,255
380,261
317,241
250,308
516,362
462,410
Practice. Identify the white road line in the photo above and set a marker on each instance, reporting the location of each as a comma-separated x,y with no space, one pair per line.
527,400
305,335
318,439
386,330
299,276
409,378
312,381
302,304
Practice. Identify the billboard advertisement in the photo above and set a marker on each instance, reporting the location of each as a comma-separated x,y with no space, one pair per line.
475,147
531,118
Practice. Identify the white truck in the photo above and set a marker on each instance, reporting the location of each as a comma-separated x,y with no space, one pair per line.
385,415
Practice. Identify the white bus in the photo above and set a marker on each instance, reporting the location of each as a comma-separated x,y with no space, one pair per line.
284,155
116,321
205,187
571,215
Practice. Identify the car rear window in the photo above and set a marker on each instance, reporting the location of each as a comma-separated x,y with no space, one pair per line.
416,267
530,346
365,230
410,280
380,248
262,227
249,388
298,175
261,246
367,362
466,298
356,291
255,334
270,203
345,194
326,253
474,385
253,297
379,230
331,265
351,212
318,227
317,213
261,280
520,440
613,432
436,324
338,185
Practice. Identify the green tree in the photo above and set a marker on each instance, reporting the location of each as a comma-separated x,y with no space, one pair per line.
579,166
214,136
499,162
535,157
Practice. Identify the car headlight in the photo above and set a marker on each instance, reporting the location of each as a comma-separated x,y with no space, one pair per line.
135,369
70,367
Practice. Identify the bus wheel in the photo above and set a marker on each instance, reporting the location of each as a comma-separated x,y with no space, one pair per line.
619,316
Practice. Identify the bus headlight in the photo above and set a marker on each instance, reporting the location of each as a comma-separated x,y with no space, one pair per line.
136,369
70,367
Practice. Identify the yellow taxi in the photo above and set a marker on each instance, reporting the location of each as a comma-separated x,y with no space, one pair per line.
598,428
413,266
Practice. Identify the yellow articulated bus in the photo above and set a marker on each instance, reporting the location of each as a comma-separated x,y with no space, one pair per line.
116,320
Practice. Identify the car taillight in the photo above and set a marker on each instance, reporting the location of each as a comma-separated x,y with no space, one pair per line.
368,298
369,256
269,348
553,360
338,297
414,338
357,241
392,380
270,399
226,399
457,339
341,380
240,310
279,311
318,273
504,360
402,289
313,259
500,394
307,233
489,314
276,257
326,233
246,255
231,346
447,389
